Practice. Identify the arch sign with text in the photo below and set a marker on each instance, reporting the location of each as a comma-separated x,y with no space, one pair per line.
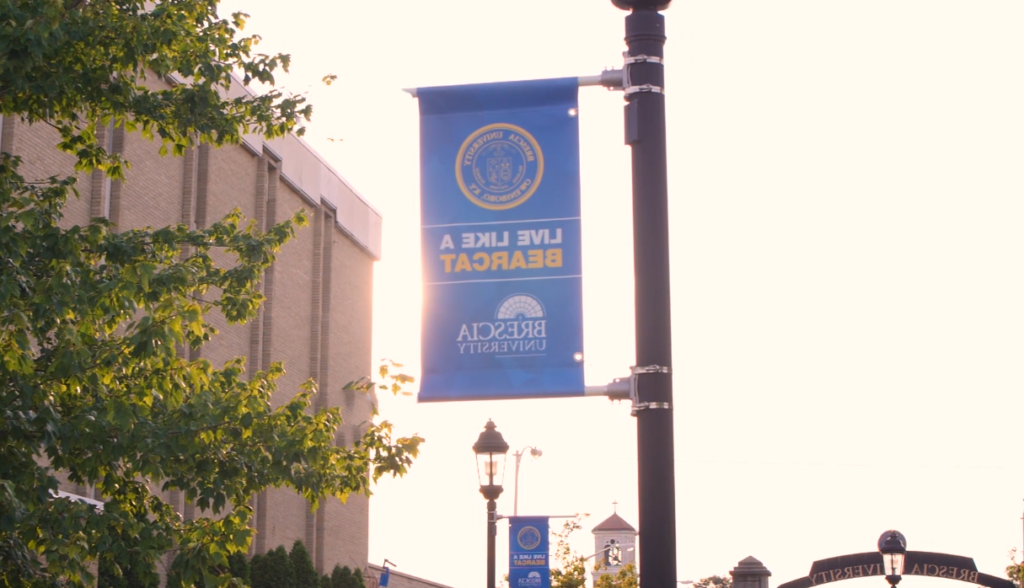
917,563
500,237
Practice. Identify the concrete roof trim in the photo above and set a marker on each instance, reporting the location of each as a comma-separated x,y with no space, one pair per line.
379,570
309,174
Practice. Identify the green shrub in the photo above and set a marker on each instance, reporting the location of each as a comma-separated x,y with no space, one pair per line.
255,564
274,570
302,564
341,577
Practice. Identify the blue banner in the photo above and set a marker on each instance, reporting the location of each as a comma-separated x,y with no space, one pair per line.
500,214
528,565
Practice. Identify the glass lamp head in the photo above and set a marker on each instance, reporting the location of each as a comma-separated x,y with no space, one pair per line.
893,547
490,449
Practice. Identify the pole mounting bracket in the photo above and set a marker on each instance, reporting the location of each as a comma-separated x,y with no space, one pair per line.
643,88
634,394
650,369
628,87
629,59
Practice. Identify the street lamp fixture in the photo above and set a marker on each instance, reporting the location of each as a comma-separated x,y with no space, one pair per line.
519,456
893,547
642,4
490,449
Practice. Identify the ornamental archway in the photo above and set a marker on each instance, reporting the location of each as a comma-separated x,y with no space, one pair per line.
917,563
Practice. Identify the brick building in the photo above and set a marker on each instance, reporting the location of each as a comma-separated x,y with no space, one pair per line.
317,314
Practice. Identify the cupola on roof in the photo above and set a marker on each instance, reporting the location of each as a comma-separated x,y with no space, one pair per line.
614,523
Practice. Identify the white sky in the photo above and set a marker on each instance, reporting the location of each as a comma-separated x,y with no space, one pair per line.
846,207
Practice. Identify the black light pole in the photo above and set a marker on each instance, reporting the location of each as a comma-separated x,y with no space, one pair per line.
643,84
490,449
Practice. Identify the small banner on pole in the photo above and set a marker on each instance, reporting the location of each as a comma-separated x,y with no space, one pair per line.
528,565
500,213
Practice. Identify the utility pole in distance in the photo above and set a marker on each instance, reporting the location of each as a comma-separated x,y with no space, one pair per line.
644,87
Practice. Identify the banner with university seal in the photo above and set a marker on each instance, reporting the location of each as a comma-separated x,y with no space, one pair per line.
528,565
500,214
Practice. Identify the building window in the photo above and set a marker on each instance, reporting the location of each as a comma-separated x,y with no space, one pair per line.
108,145
612,553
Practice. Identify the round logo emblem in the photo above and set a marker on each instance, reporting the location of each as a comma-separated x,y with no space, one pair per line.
529,538
499,166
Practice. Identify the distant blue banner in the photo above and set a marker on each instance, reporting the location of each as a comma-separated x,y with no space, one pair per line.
528,565
500,213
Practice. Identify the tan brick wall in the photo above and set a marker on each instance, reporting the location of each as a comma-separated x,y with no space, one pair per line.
292,285
231,184
350,332
152,191
37,146
285,520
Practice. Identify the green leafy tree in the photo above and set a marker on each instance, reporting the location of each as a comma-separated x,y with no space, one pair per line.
238,566
570,570
357,579
91,383
1015,571
302,563
114,575
626,577
125,568
325,581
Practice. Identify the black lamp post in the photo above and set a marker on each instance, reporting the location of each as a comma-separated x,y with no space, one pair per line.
644,90
893,547
490,449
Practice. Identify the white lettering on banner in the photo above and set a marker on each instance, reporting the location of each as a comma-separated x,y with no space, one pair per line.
503,346
503,330
480,240
539,237
521,329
